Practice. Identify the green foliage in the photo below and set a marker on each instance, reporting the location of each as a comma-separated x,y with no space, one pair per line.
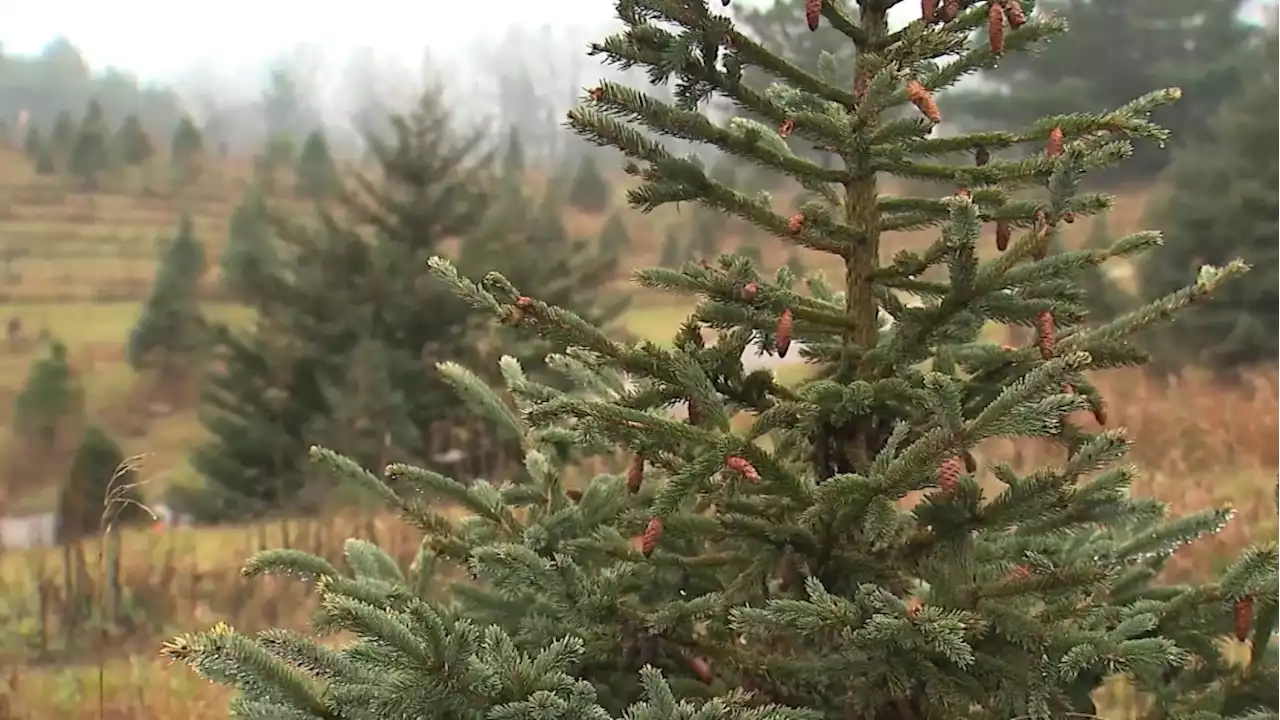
317,174
32,143
172,331
673,250
51,395
250,253
589,192
614,238
186,149
63,136
90,153
1221,203
784,559
1104,299
1192,44
100,491
45,163
133,143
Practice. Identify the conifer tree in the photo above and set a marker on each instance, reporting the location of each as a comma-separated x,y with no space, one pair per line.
63,135
614,238
100,486
1222,203
721,577
589,192
250,253
133,143
90,151
316,173
673,250
32,144
171,332
1104,299
46,165
186,150
51,399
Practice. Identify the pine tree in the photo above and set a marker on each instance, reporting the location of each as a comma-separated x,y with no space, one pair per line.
736,575
133,143
46,165
171,332
316,172
673,250
614,238
589,192
51,399
32,144
101,486
90,152
1221,203
63,136
250,253
186,150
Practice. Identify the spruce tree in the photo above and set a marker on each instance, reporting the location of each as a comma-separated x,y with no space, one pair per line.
1221,202
63,135
589,192
171,332
186,149
250,253
90,152
316,173
32,144
51,399
846,557
46,164
100,487
673,250
133,143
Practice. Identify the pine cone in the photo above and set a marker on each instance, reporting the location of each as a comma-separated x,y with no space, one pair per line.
743,467
963,192
812,13
524,302
701,669
913,607
749,291
1243,616
795,223
928,11
860,84
635,473
1046,334
995,27
1021,572
1053,147
782,338
784,130
949,474
950,9
923,100
1014,14
651,535
1004,233
597,94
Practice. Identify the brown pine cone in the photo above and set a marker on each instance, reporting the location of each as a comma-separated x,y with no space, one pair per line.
782,338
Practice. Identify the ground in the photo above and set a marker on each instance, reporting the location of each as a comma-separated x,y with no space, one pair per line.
84,263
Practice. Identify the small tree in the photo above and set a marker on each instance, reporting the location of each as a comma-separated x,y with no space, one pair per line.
673,250
51,400
32,144
133,143
186,152
171,332
100,487
315,172
90,155
46,165
63,136
249,255
614,238
589,192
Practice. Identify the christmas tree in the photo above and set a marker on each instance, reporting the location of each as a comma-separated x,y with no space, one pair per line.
846,556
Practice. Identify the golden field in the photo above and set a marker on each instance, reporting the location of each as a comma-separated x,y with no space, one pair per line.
84,267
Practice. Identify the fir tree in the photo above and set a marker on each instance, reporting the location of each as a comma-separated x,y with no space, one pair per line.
757,576
1221,203
186,150
614,238
316,172
46,165
63,136
90,152
589,192
673,250
100,486
249,253
170,334
51,399
32,144
133,143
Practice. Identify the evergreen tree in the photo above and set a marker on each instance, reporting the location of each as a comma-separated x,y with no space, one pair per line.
51,399
186,150
316,172
614,238
249,253
90,153
45,163
673,250
133,143
589,192
1191,44
1104,299
1221,203
171,331
32,144
513,158
63,136
786,572
100,487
